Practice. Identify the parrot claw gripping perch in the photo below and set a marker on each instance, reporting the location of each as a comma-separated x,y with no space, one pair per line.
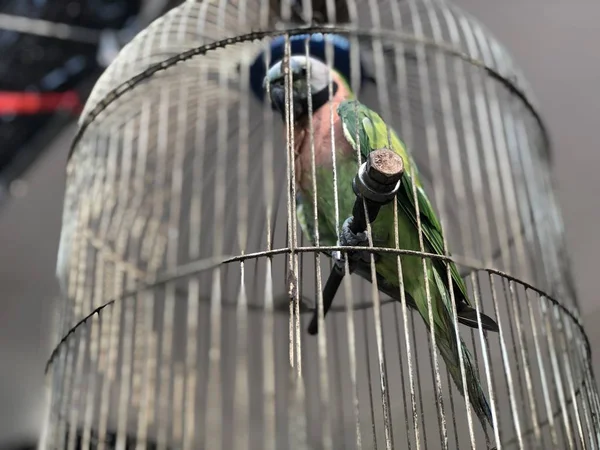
349,238
377,182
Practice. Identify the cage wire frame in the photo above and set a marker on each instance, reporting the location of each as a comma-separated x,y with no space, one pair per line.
170,338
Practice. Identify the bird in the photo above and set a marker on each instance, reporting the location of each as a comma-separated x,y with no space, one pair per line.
322,92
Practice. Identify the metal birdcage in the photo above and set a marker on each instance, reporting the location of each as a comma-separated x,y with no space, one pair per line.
188,283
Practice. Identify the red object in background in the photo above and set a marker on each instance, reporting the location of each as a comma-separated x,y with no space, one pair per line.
22,103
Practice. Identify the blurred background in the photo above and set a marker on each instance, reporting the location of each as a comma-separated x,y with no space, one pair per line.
52,51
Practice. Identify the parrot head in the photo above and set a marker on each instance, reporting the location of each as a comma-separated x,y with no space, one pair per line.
305,72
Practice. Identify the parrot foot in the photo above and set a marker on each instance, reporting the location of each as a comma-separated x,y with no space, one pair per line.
349,238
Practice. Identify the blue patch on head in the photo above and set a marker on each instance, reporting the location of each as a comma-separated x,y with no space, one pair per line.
316,49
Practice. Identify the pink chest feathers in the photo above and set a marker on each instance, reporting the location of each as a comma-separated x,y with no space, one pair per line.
322,125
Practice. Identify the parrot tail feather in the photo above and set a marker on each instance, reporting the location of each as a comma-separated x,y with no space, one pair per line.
449,348
477,397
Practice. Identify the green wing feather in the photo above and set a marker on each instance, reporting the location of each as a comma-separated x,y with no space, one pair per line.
372,134
366,130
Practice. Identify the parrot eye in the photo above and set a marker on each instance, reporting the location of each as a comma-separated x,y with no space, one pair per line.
301,74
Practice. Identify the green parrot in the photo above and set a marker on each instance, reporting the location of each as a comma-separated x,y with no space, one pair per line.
352,120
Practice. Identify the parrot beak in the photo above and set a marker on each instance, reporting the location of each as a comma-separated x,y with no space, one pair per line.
275,81
278,97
